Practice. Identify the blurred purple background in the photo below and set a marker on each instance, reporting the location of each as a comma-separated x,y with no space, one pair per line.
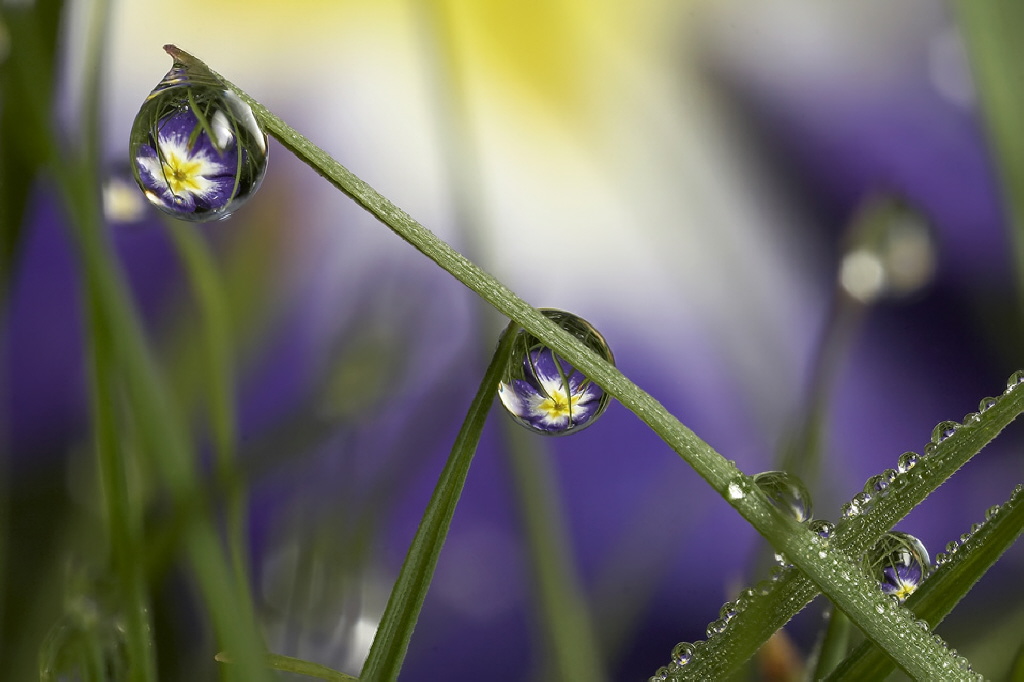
681,177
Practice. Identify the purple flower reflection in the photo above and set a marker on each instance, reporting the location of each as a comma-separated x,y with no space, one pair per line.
183,170
553,397
902,579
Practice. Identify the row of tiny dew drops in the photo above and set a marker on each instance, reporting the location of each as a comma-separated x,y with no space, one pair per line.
898,562
198,153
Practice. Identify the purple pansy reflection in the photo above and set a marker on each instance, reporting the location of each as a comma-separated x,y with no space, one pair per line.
546,394
900,562
197,150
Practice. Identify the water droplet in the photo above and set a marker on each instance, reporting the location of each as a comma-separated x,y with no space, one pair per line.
929,449
899,562
923,624
735,491
992,511
944,430
862,500
987,404
786,492
964,538
941,558
971,418
660,675
849,510
952,546
781,560
728,611
975,527
890,250
822,528
682,653
546,394
1015,380
716,627
197,151
907,461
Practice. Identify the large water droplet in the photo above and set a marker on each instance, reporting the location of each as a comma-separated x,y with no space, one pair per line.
786,492
196,149
1015,380
899,562
987,404
546,394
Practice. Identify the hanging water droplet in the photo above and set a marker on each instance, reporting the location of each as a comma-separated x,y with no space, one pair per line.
944,430
899,562
987,404
822,528
546,394
786,492
682,653
907,461
1015,380
196,149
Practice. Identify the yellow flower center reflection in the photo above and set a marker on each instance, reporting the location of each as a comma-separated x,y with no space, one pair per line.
183,174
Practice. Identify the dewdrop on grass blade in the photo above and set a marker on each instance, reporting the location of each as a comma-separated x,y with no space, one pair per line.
787,492
546,394
196,149
899,562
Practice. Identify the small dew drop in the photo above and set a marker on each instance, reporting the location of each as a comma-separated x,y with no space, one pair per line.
735,491
907,461
971,418
952,547
786,492
716,627
987,404
1015,380
991,512
822,528
941,558
729,611
682,653
964,538
929,449
944,430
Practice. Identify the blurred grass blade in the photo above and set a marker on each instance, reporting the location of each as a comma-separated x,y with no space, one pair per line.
937,595
562,608
387,653
993,32
298,666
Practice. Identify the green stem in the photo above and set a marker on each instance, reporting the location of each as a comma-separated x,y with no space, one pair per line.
566,621
389,647
123,516
209,294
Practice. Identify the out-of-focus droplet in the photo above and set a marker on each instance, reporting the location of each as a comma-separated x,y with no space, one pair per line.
991,512
890,251
786,492
899,562
546,394
196,149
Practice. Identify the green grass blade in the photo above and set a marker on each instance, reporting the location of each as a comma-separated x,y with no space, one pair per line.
387,653
563,614
950,582
298,666
993,33
785,597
